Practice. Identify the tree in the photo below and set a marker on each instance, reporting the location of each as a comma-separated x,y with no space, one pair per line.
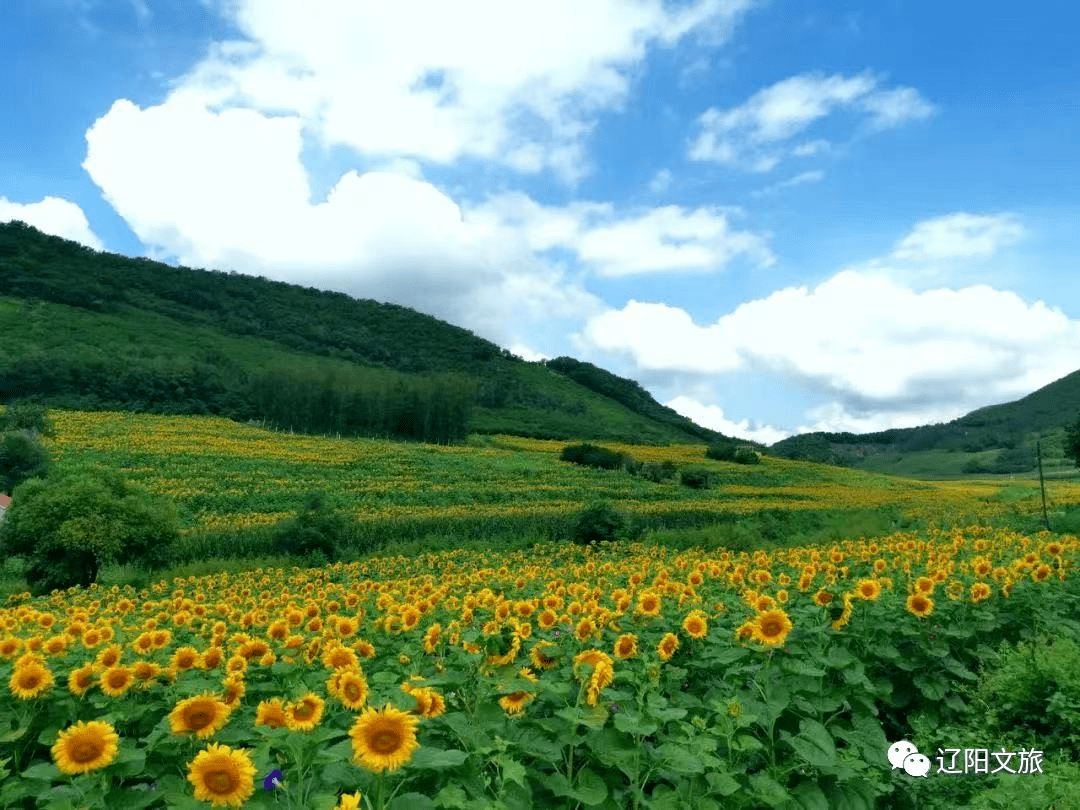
21,457
1072,442
318,531
27,416
73,522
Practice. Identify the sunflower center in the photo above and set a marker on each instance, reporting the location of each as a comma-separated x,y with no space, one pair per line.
30,680
198,717
352,691
304,711
386,741
83,751
219,781
771,628
117,680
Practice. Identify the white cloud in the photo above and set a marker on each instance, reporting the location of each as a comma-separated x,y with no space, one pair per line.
958,236
514,83
712,417
884,354
801,179
227,190
53,215
665,239
777,113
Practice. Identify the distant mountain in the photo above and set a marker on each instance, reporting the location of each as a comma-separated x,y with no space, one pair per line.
86,329
995,439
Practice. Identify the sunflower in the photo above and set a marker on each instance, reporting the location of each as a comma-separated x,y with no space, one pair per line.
222,776
980,591
920,605
925,585
349,801
109,657
80,680
868,589
305,714
10,646
584,630
204,715
270,713
85,747
30,680
212,658
340,657
515,702
116,680
649,604
539,658
667,646
350,687
431,638
429,703
235,689
695,624
602,676
384,740
772,627
626,646
185,658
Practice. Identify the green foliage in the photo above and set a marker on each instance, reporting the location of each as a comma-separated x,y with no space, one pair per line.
74,521
744,455
696,478
1015,460
1072,442
597,523
659,473
21,457
590,455
722,451
317,533
1036,690
28,416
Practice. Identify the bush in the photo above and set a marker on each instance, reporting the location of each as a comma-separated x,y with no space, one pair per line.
598,522
696,478
589,455
26,416
658,473
72,523
744,455
723,450
21,457
316,534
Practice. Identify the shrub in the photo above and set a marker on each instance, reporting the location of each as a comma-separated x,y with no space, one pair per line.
744,455
723,450
658,473
598,522
26,416
589,455
695,478
21,457
316,534
71,523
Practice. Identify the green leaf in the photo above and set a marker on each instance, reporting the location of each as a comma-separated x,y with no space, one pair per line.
852,795
678,759
591,789
814,744
809,796
411,801
42,771
632,723
798,666
512,771
934,689
451,797
437,758
768,789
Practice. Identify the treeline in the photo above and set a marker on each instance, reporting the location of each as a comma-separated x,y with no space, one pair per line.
628,393
350,402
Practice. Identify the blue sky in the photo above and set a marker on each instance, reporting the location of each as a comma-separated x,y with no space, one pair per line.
853,217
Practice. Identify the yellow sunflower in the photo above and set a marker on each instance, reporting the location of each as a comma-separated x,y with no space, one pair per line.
204,715
429,703
116,680
667,646
349,801
540,659
30,680
695,624
270,713
222,776
772,627
920,605
80,680
384,740
350,687
649,604
868,589
626,646
305,714
602,676
85,747
980,591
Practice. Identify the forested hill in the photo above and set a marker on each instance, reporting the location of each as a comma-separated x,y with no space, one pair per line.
995,439
97,330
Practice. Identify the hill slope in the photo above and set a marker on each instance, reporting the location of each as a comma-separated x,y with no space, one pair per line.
995,439
96,330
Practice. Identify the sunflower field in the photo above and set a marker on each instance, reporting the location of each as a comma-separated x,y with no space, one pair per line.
627,676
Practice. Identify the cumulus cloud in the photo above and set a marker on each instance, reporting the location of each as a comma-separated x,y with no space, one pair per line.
958,236
53,215
518,84
751,134
712,417
883,353
611,244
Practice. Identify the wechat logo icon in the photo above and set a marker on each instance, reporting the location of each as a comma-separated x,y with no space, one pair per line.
905,755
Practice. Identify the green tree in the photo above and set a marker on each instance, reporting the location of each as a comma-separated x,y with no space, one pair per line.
27,416
71,523
1072,442
21,457
317,532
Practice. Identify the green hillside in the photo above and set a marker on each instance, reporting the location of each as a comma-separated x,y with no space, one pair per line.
998,439
90,330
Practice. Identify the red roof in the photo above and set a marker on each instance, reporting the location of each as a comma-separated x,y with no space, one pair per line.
5,501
